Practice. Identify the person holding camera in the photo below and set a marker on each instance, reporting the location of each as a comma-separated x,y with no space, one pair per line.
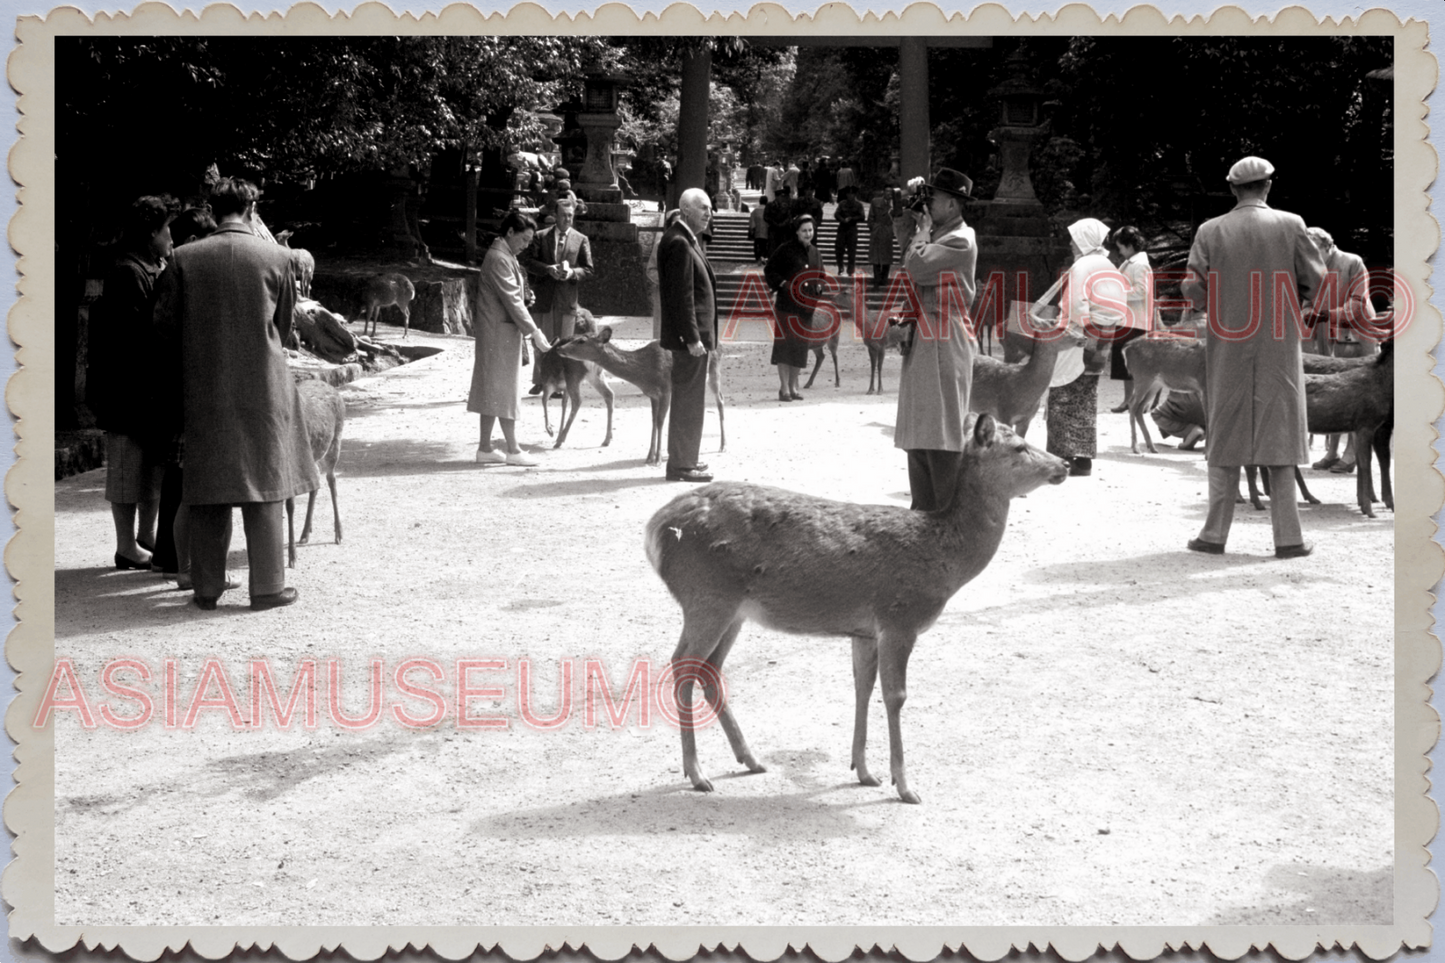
940,255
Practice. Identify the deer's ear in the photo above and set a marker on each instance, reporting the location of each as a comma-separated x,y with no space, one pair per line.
605,335
983,430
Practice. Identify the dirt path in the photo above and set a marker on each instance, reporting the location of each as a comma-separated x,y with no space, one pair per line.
1104,728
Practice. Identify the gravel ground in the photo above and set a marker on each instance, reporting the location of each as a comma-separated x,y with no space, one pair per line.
1104,728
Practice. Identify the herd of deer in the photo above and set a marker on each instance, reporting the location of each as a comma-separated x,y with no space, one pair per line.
881,575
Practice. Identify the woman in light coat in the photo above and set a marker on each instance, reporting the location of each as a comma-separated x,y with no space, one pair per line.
1073,403
501,320
1142,315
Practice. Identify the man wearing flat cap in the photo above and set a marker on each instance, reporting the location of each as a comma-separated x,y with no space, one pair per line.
1240,267
940,254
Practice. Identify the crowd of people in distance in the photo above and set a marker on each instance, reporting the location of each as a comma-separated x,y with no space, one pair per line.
204,297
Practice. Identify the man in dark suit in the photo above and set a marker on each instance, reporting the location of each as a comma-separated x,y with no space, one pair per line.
226,302
689,330
557,260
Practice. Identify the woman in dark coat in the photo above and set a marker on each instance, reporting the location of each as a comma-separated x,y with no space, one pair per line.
122,354
796,256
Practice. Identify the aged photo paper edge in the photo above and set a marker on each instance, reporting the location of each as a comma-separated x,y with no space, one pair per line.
29,809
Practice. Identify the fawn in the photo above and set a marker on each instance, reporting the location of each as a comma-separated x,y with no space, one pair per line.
1156,363
383,291
881,574
649,368
567,374
878,338
323,414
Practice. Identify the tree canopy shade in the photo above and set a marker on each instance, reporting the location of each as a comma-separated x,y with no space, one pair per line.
294,107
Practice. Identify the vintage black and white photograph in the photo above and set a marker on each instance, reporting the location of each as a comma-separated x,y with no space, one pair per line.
931,478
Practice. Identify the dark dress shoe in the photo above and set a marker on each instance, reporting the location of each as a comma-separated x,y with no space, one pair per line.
536,390
123,563
688,475
797,397
700,466
1081,467
284,597
208,605
1294,551
1208,548
783,396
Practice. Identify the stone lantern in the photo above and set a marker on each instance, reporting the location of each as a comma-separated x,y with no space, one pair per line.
1020,125
598,120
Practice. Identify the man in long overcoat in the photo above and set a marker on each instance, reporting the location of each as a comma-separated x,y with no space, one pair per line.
1241,266
940,254
227,300
689,330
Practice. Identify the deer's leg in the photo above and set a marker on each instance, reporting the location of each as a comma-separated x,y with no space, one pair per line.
310,507
405,319
714,378
713,694
571,393
291,532
1299,480
894,648
1136,417
816,365
1382,452
659,415
833,350
1364,477
1250,473
702,630
335,507
608,398
865,673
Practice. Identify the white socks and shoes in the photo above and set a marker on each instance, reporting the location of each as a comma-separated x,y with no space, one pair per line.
498,457
493,457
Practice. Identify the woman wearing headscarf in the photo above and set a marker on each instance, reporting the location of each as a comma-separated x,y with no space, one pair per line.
1091,308
795,257
1142,315
501,321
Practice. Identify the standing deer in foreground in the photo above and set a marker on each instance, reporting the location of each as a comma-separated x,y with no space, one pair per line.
323,414
881,574
649,368
383,291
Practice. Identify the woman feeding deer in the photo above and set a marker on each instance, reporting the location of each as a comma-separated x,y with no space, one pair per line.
502,320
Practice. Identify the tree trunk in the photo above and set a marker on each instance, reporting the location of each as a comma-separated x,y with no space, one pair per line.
692,122
471,173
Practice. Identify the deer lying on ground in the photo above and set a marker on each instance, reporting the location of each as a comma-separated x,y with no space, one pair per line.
567,374
649,368
386,290
305,263
323,414
880,574
1012,392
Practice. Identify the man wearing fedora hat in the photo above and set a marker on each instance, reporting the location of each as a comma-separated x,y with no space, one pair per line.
1255,388
940,254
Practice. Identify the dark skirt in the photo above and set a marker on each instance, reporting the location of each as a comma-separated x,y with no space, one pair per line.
1072,418
787,347
1118,371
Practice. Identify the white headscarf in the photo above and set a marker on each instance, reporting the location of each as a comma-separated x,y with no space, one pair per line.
1089,235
